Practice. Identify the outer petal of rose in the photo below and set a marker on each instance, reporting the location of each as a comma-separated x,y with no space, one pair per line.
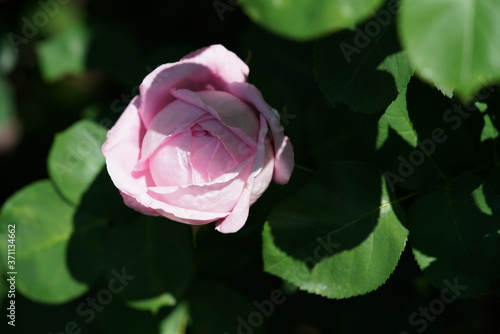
122,149
262,179
156,86
224,63
128,128
136,187
283,150
132,203
213,66
238,216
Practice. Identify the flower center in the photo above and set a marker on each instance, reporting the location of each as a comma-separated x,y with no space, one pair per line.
197,131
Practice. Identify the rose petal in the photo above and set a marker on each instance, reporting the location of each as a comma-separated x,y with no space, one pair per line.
128,128
260,177
224,63
238,149
169,165
121,150
210,161
263,178
177,117
283,150
155,88
213,66
238,216
239,117
132,203
218,197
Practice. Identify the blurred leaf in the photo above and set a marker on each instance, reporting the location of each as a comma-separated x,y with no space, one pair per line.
63,15
455,235
339,236
75,158
7,107
64,53
8,57
176,322
211,314
43,224
305,20
363,70
153,304
453,42
157,251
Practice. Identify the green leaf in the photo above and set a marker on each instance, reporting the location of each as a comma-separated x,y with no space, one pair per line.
176,322
455,235
100,207
492,134
339,236
153,304
365,71
396,118
7,107
75,158
43,224
304,20
64,53
157,251
8,57
453,43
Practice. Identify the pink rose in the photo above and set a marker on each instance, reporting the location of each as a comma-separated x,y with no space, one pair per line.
199,144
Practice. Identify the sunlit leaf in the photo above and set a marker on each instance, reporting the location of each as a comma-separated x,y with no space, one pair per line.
43,226
339,236
453,43
304,19
75,158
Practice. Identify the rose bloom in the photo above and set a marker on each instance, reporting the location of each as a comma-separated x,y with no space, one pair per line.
198,144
